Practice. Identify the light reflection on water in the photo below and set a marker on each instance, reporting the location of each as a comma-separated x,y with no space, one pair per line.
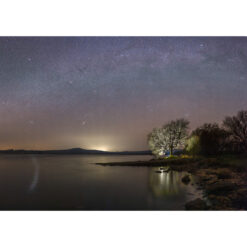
75,182
168,188
168,183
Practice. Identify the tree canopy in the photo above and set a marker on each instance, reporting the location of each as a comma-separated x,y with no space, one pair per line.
169,137
236,126
207,140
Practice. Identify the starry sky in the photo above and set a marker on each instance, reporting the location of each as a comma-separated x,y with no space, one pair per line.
108,93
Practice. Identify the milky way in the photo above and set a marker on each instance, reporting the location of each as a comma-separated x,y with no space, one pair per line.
109,92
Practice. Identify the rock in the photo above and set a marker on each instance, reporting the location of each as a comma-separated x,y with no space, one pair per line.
239,198
205,179
186,179
224,174
221,173
222,201
206,176
158,171
197,204
220,187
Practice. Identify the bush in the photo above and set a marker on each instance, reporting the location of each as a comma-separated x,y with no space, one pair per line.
209,139
193,145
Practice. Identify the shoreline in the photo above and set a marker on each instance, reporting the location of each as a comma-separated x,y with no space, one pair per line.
223,179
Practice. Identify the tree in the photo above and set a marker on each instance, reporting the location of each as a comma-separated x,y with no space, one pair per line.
193,146
236,126
207,140
171,136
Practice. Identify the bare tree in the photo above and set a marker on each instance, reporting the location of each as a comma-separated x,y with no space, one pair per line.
236,126
171,136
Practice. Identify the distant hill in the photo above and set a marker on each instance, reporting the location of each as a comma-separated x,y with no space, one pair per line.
74,151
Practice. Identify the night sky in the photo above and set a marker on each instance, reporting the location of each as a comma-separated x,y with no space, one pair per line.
108,93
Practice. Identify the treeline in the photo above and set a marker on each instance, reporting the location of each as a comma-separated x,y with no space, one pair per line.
208,139
74,151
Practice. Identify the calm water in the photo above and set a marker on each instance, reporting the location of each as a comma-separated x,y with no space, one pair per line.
75,182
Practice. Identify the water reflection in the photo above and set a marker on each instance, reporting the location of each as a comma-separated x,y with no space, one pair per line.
164,184
35,178
75,182
169,183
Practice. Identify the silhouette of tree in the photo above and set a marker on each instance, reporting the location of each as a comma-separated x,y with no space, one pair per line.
236,126
207,140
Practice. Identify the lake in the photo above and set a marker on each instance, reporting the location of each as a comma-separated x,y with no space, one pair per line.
75,182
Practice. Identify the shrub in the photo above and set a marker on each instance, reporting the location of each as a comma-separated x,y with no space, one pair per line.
208,139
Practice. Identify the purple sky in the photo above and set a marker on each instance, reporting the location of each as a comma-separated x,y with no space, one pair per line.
109,92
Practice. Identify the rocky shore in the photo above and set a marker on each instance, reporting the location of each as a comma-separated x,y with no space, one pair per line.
223,180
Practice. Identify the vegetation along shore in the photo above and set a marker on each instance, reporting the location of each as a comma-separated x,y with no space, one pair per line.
217,155
223,179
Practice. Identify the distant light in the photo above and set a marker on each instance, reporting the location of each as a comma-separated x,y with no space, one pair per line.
102,148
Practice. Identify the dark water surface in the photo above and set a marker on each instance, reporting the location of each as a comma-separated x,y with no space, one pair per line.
48,182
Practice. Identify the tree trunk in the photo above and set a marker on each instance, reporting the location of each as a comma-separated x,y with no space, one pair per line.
171,151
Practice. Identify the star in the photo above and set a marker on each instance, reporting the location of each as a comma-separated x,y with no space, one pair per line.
82,91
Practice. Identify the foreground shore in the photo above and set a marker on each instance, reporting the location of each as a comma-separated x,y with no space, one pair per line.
223,179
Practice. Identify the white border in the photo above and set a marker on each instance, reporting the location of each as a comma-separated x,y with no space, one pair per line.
123,229
121,18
